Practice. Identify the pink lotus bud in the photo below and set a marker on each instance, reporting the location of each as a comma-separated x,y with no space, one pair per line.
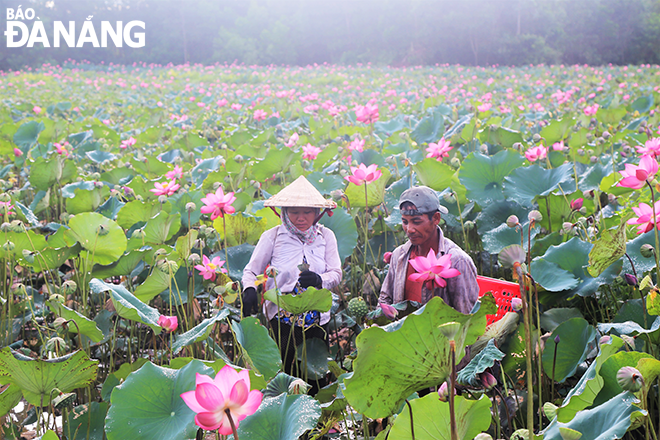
17,152
631,280
443,392
516,304
488,381
389,311
535,216
630,379
168,323
387,257
577,204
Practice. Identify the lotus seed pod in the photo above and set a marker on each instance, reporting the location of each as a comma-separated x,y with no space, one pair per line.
304,163
630,379
536,138
95,176
566,227
199,244
611,198
512,221
56,344
5,227
580,151
516,304
17,226
162,199
102,230
64,400
8,246
159,254
190,206
449,198
629,340
238,158
484,148
69,287
138,233
271,272
298,386
455,163
647,251
483,436
593,159
56,297
450,329
4,197
167,266
343,173
193,258
59,322
517,146
28,255
336,195
18,289
139,197
606,135
256,185
534,216
390,160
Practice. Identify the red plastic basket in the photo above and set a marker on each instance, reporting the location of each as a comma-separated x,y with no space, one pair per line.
503,292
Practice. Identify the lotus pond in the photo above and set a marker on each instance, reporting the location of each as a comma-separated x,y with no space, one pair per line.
111,308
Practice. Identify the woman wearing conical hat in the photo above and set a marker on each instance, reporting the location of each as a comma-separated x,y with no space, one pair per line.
305,255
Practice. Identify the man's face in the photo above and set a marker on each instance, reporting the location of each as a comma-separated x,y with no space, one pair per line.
419,228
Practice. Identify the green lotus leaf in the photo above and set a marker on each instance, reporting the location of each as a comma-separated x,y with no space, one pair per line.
310,299
239,257
582,395
199,332
608,249
45,173
527,183
148,404
552,277
486,358
434,174
118,376
85,200
161,227
27,134
258,349
123,266
611,116
573,256
279,385
326,183
127,305
38,378
276,160
550,319
345,230
82,324
51,435
560,209
501,136
101,237
381,382
281,418
429,129
28,240
9,398
375,191
86,422
483,176
313,358
608,421
241,228
98,156
137,211
111,207
557,130
642,264
156,282
179,202
150,167
609,370
432,422
577,339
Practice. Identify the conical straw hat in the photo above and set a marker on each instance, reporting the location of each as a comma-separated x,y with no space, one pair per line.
299,193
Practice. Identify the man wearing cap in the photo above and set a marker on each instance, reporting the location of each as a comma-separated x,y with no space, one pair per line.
420,216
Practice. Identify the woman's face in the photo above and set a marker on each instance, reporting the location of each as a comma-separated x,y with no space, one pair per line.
302,218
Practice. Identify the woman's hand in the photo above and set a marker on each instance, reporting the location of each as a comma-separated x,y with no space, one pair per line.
250,301
309,278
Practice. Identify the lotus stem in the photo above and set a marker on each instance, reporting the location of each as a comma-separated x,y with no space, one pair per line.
547,208
412,426
460,217
452,385
554,361
231,422
524,288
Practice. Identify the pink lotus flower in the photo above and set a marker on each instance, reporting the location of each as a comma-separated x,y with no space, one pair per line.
591,109
535,153
576,204
558,146
387,257
168,323
236,106
439,150
218,204
176,173
17,152
228,395
165,188
260,115
128,142
61,148
292,140
484,107
6,208
389,311
645,219
367,114
356,144
310,152
650,148
432,269
636,176
208,268
36,109
364,174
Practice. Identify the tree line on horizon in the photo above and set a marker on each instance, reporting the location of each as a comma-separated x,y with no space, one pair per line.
381,32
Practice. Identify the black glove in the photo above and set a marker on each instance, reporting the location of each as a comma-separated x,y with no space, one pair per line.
250,301
309,278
